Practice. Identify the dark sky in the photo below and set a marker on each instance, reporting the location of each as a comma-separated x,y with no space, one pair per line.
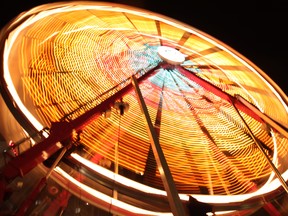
256,30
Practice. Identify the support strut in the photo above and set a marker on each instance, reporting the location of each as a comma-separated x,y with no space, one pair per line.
273,167
169,185
60,132
40,186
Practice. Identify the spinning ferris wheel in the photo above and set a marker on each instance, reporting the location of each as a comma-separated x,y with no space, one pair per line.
134,112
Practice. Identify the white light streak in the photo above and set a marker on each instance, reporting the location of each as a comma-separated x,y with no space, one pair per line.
108,199
268,187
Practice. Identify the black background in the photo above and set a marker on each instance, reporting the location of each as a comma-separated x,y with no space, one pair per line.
257,30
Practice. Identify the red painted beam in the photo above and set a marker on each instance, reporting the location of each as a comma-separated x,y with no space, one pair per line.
60,133
217,91
31,198
270,208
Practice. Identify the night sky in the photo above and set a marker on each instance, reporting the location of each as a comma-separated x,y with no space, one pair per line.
257,31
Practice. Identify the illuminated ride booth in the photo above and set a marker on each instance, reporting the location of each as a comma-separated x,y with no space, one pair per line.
122,109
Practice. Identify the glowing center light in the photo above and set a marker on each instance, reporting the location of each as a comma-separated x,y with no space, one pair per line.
170,55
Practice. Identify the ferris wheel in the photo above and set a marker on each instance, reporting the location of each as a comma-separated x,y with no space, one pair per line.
133,112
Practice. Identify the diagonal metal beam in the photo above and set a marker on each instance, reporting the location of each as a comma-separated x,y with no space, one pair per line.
207,134
41,184
271,164
217,91
59,131
151,165
237,101
169,185
265,117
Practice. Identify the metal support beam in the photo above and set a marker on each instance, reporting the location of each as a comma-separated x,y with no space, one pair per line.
218,92
237,101
60,131
41,184
274,168
266,118
169,185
